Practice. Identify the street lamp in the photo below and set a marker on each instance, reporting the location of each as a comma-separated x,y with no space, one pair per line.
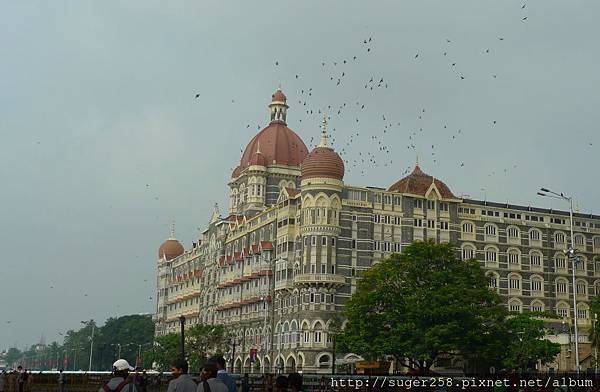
91,341
570,252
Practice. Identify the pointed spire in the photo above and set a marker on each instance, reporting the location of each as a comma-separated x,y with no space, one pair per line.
324,137
216,215
417,163
172,236
258,147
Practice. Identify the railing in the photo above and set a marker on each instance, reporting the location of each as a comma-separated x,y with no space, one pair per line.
321,278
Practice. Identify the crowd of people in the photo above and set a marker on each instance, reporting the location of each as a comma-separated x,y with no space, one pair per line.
18,380
213,378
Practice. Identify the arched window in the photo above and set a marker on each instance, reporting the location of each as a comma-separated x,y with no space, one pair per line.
562,286
560,261
494,280
467,227
514,282
491,254
535,235
468,252
559,238
537,306
491,230
579,239
537,284
514,257
535,258
562,309
582,288
512,232
583,311
515,305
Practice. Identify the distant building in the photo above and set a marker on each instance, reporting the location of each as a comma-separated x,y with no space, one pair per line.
287,255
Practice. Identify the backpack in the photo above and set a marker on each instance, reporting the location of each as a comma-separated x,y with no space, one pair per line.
119,388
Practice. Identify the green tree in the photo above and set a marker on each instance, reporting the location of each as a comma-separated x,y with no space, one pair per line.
166,348
203,340
12,356
527,345
423,304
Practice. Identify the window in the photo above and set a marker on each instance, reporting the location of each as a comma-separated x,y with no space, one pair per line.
491,255
468,252
332,241
323,268
430,224
493,281
579,239
418,222
562,311
596,242
490,230
561,286
323,240
559,238
513,257
467,227
537,307
354,218
444,206
536,284
444,225
431,204
581,288
535,259
535,235
560,261
514,306
313,240
353,244
418,203
582,313
317,337
514,282
512,232
306,337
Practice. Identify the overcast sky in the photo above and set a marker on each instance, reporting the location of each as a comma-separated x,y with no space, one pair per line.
97,102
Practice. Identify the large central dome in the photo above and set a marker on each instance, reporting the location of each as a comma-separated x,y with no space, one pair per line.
276,143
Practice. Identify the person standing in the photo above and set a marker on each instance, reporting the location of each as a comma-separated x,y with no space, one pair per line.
210,382
182,382
222,374
21,378
118,382
62,381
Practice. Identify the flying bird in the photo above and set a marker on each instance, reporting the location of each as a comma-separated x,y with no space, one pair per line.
197,95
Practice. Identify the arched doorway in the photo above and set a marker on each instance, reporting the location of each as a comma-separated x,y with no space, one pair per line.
290,365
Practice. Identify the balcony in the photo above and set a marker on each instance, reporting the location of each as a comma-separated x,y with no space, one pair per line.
320,278
284,284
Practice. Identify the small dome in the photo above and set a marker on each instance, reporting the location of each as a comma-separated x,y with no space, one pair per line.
417,183
170,249
323,162
278,96
236,172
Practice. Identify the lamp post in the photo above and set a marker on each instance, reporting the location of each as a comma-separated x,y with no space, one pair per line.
182,325
91,322
571,254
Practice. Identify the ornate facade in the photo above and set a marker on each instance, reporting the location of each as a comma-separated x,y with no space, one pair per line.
287,255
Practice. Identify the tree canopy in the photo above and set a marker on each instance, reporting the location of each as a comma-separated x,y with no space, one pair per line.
424,304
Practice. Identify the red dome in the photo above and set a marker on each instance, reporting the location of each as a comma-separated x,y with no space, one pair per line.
236,172
323,162
277,144
171,248
417,183
278,96
258,159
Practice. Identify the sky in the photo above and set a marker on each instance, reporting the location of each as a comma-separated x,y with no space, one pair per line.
103,143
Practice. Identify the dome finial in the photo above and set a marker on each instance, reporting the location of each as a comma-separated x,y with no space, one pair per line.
323,142
417,164
258,147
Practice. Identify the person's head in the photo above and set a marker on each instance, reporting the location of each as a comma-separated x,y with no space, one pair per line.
19,368
295,381
121,368
60,370
281,383
179,366
219,361
209,370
